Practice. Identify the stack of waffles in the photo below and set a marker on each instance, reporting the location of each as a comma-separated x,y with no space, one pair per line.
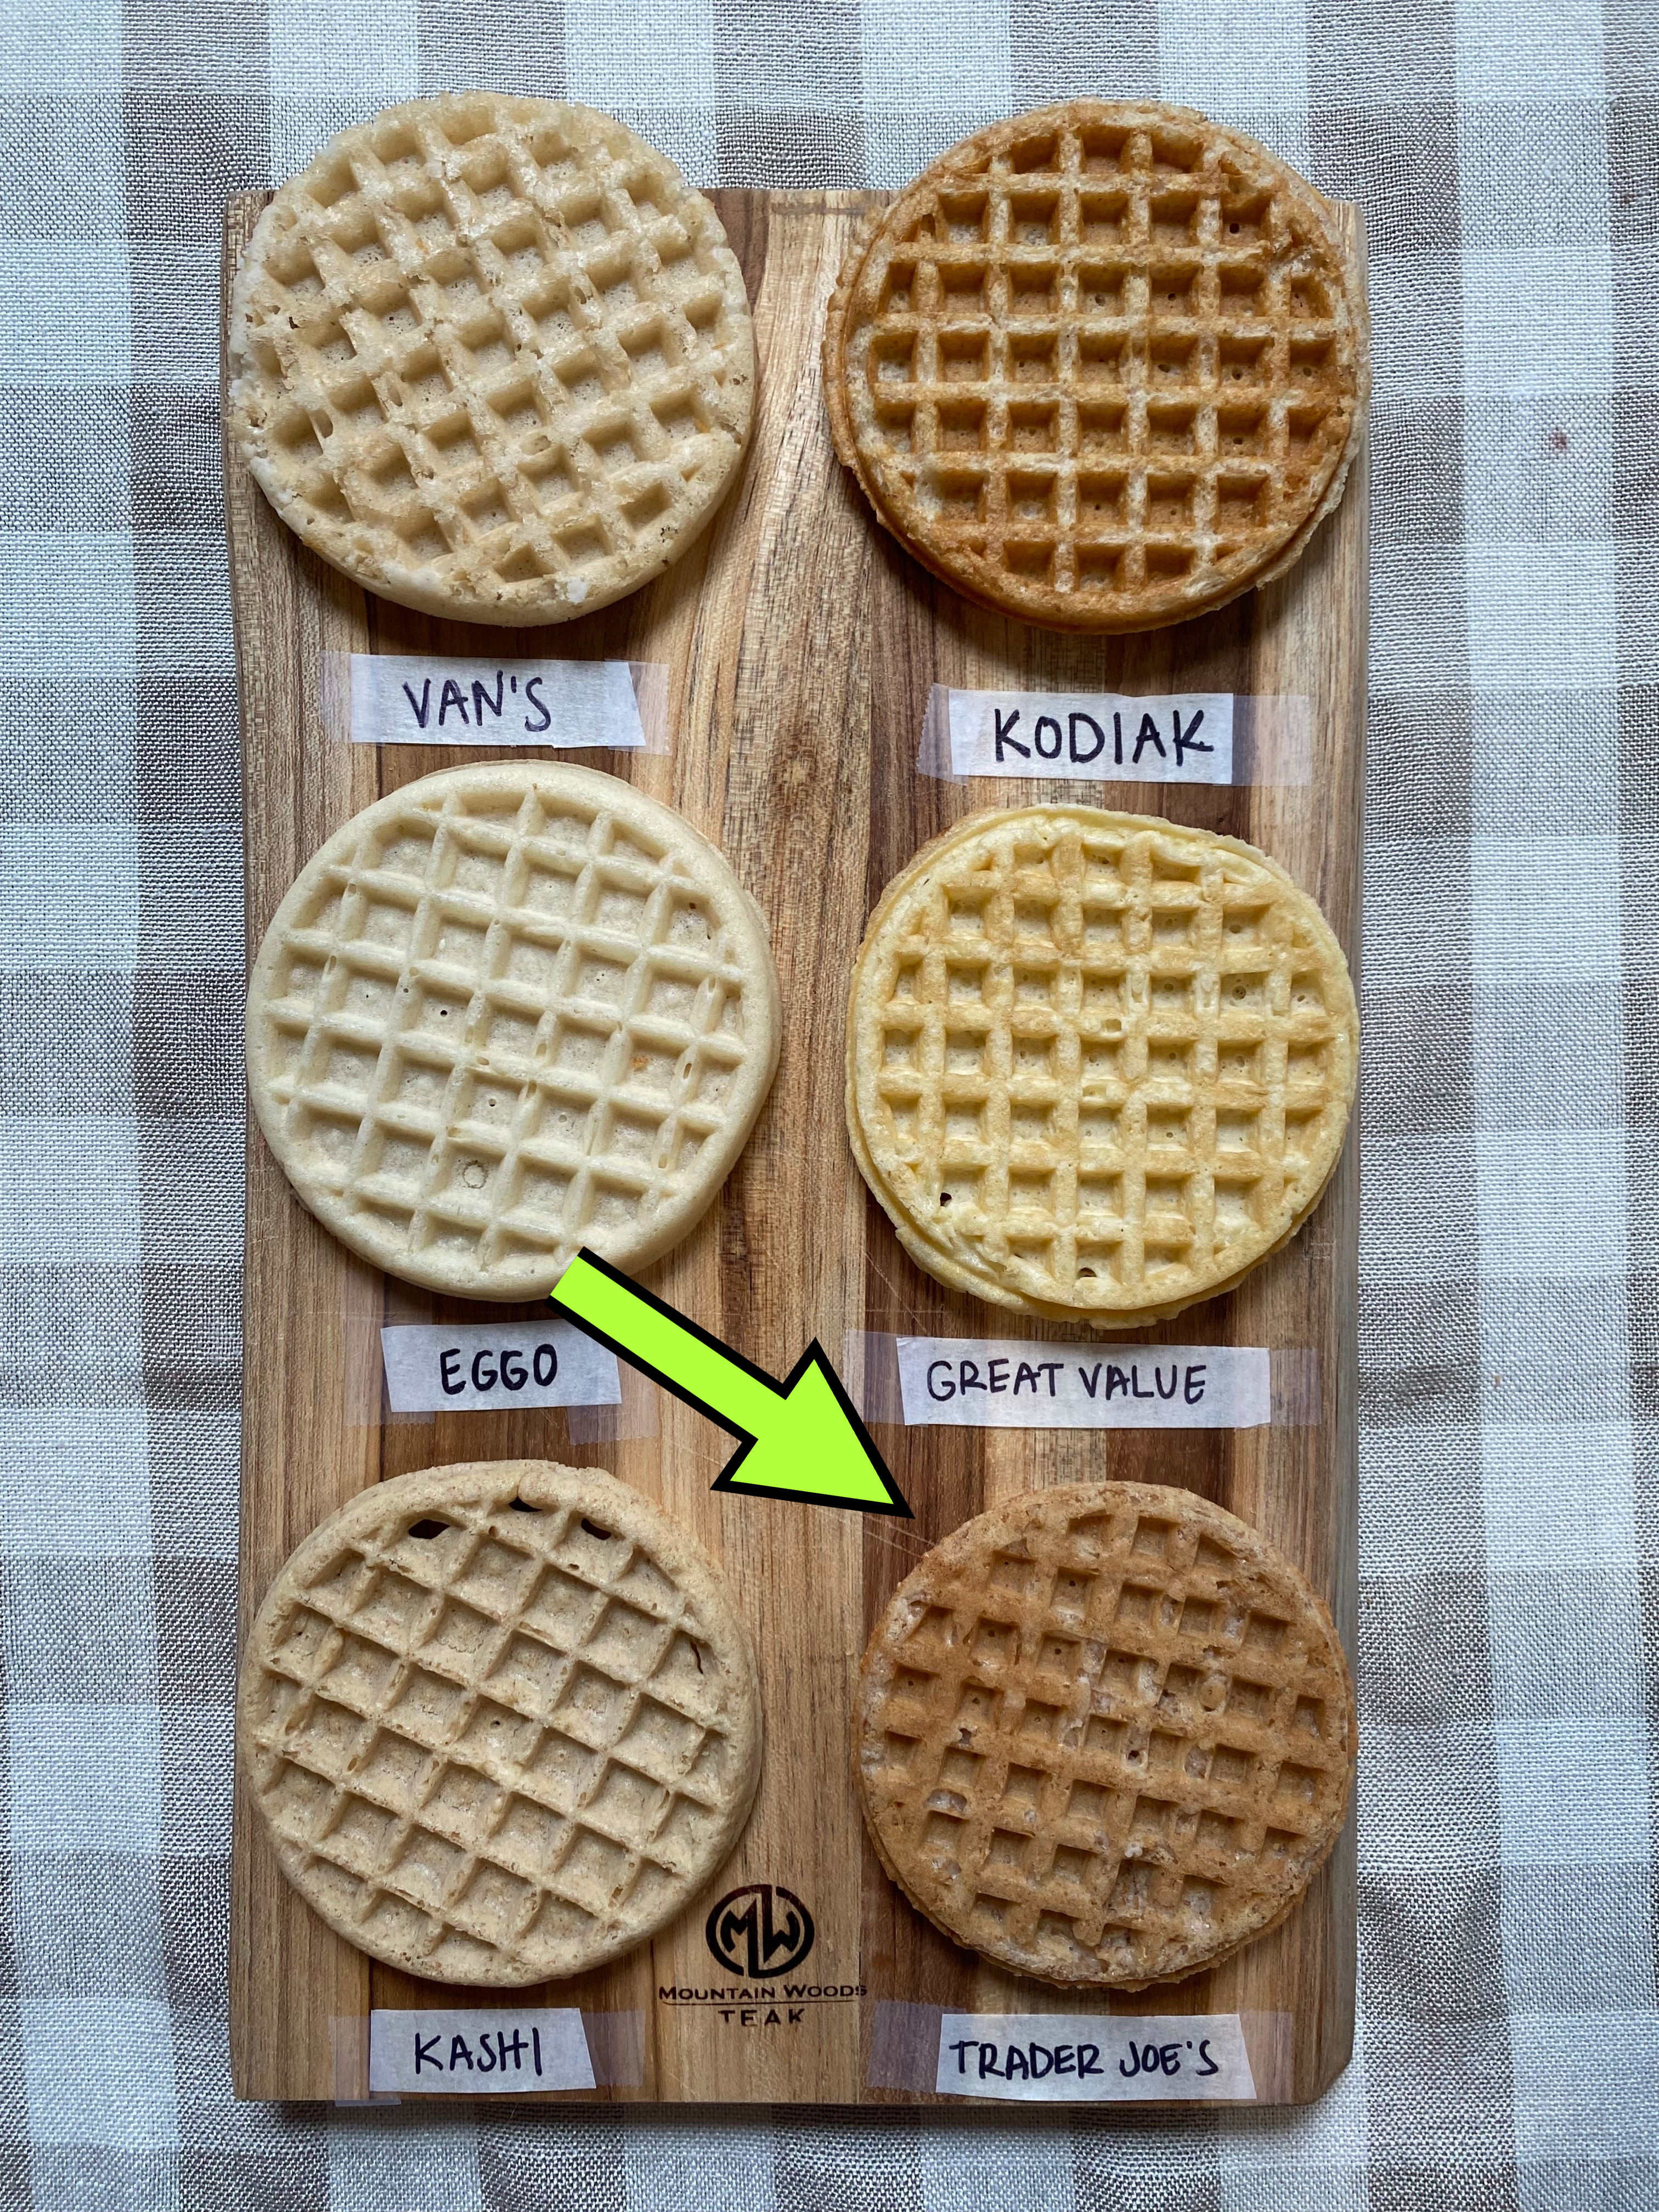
1102,367
1098,1064
1104,1734
492,356
502,1722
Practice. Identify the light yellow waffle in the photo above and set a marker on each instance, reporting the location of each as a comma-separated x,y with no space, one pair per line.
1102,367
502,1721
514,1009
1098,1064
982,1283
1104,1734
492,356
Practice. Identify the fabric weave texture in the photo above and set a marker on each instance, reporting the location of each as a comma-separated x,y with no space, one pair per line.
1506,155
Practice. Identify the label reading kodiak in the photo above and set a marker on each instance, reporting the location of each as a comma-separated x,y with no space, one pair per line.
1187,738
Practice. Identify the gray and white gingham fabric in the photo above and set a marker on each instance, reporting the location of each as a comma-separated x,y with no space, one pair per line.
1506,153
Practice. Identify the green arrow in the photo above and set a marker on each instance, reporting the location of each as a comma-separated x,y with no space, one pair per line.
801,1438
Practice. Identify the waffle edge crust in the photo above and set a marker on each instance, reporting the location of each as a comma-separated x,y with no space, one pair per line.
1099,1066
1102,367
1104,1734
492,356
495,1746
514,1009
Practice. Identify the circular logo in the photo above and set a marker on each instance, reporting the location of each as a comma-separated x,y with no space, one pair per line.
760,1929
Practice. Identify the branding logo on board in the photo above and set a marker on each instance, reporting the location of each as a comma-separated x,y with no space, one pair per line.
760,1929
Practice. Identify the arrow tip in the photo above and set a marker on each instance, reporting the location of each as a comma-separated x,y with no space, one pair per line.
817,1450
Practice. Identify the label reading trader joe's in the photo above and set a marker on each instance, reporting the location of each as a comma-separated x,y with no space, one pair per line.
1057,2058
480,2053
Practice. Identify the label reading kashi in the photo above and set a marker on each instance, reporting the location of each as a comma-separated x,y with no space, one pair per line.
1059,2058
480,2053
1185,737
947,1382
485,1367
406,699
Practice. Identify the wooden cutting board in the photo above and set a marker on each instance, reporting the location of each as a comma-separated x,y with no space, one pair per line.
801,646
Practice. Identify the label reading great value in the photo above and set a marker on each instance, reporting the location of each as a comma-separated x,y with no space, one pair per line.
1091,738
946,1382
482,2053
484,1367
399,699
1059,2058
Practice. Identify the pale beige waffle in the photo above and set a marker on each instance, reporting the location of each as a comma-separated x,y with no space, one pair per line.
502,1721
492,356
512,1010
1098,1064
1104,1734
1102,367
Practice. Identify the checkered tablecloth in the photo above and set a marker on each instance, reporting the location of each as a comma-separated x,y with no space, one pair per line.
1506,154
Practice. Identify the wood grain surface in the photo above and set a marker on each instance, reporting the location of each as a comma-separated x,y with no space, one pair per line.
801,645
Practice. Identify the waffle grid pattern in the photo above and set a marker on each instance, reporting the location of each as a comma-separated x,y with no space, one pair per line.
494,355
1106,1735
1507,1999
1102,1064
507,1014
495,1745
1107,371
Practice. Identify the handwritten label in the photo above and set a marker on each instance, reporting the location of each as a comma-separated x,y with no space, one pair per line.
485,1367
1098,738
482,2053
1014,1383
405,700
1087,2058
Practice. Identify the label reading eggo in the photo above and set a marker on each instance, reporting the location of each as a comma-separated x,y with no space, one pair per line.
487,1367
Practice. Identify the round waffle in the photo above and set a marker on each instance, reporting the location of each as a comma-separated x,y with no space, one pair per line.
1102,367
512,1010
1104,1734
1098,1066
502,1722
492,356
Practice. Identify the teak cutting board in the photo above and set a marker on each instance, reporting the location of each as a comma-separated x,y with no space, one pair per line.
801,646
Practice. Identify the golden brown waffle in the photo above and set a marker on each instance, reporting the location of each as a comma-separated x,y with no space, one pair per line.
492,356
1098,1064
1104,1734
514,1009
1102,367
502,1721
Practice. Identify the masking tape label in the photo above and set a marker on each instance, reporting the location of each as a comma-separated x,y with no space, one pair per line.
950,1383
485,1367
1059,2058
407,700
1186,737
482,2053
